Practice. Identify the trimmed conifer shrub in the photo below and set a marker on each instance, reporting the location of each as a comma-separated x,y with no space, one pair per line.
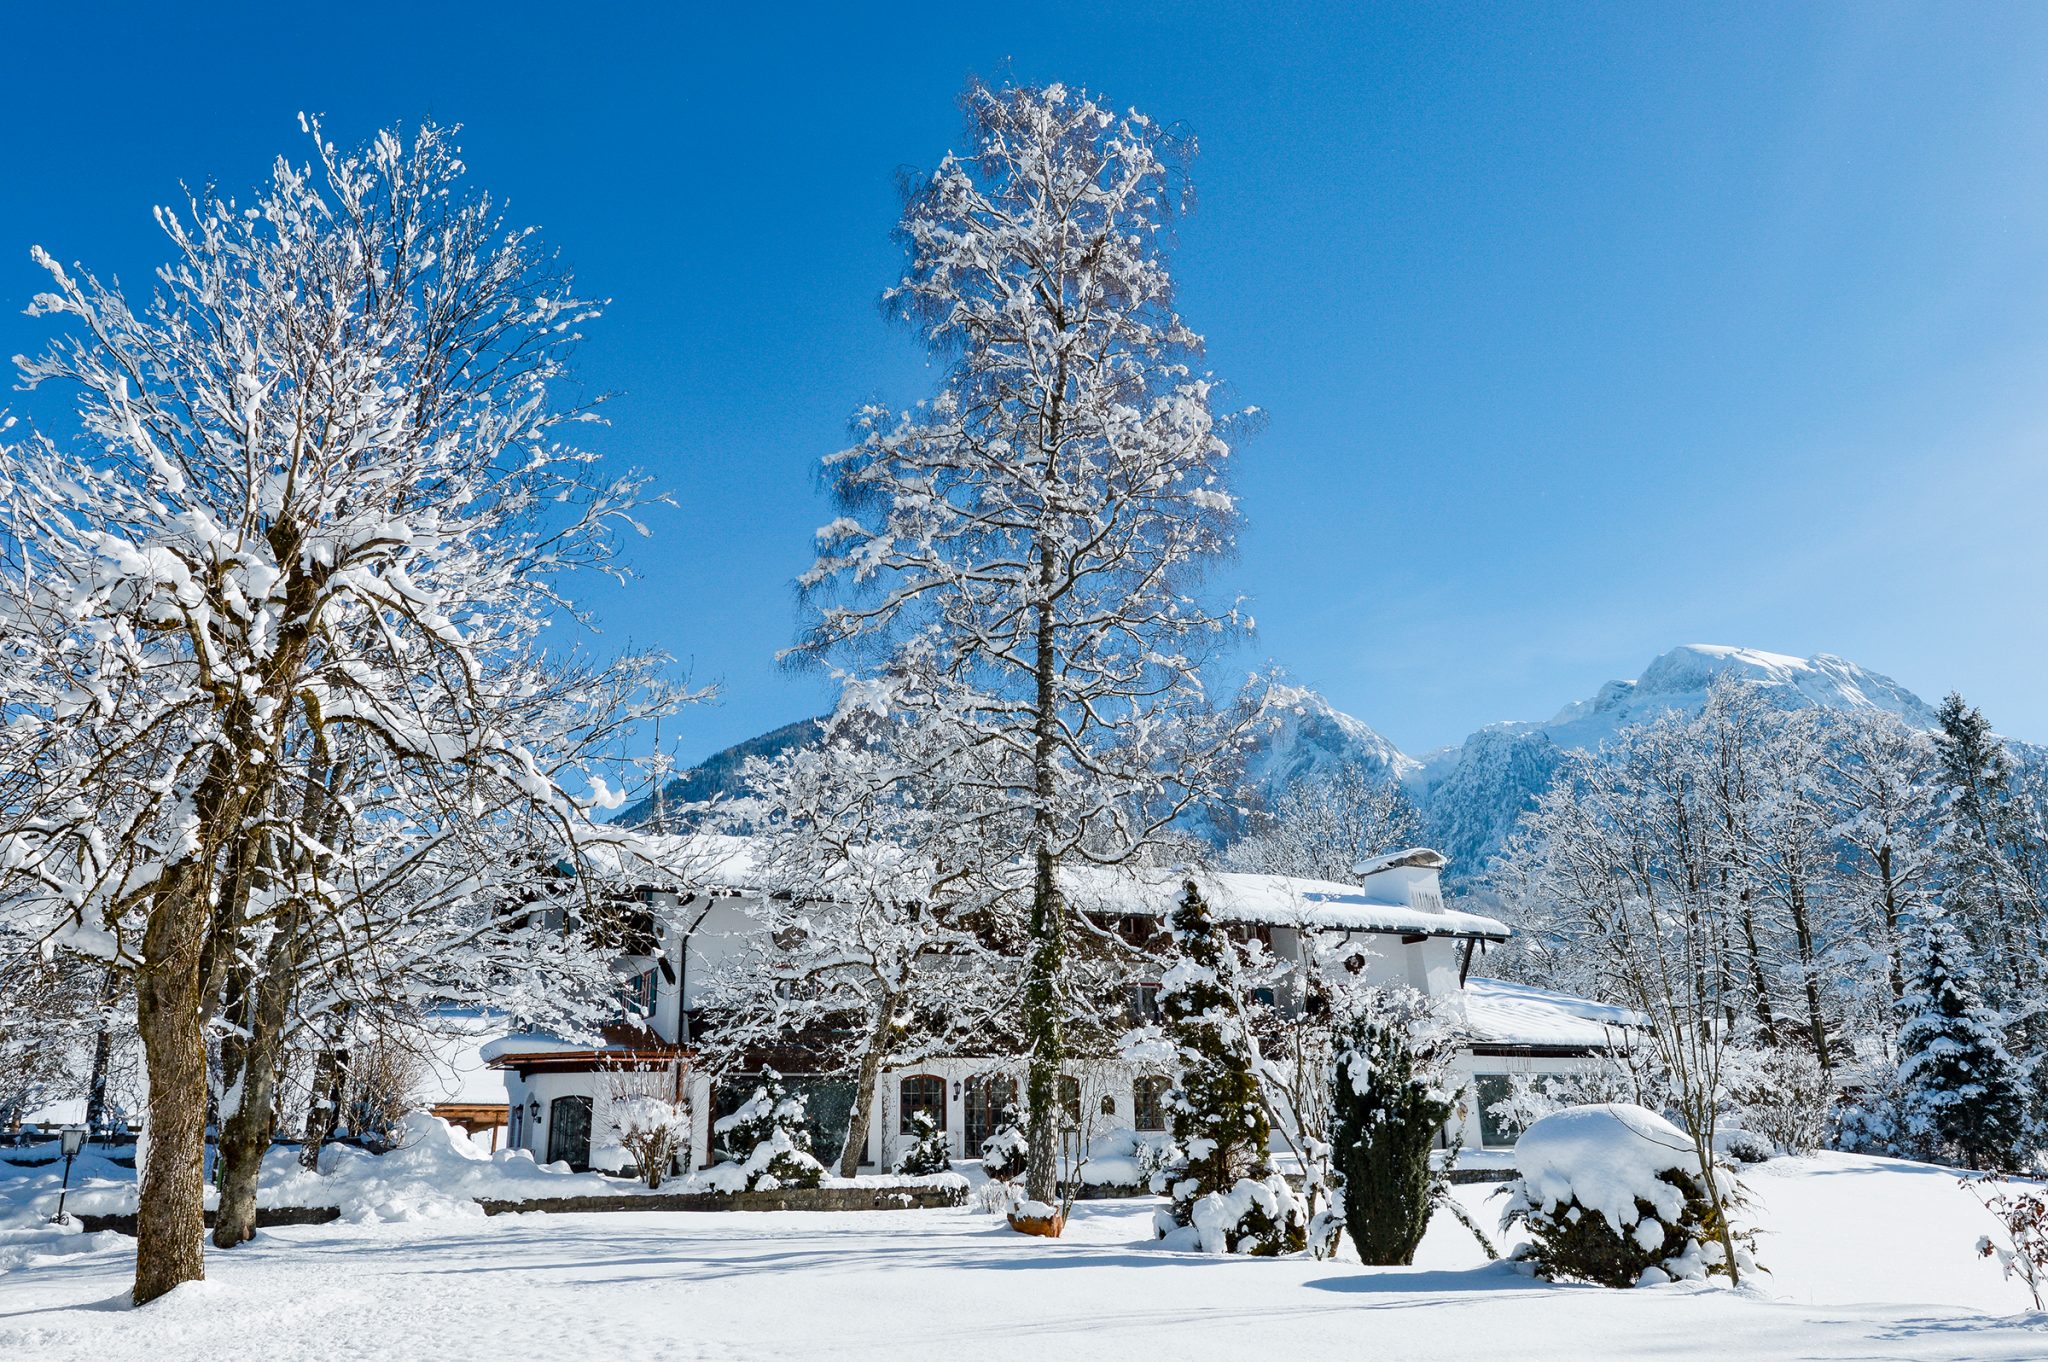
1392,1090
928,1152
1003,1154
1611,1194
769,1139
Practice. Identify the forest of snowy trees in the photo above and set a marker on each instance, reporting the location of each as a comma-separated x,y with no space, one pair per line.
1850,907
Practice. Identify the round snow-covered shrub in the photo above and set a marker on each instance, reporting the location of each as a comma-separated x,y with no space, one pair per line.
1003,1154
928,1152
769,1139
1262,1217
1612,1194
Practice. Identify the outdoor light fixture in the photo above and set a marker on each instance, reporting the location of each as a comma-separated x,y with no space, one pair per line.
533,1109
956,1088
70,1140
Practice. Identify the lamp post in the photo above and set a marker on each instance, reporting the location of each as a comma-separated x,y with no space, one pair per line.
70,1140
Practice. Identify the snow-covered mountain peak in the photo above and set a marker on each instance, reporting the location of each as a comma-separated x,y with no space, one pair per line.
1680,679
1471,794
1312,735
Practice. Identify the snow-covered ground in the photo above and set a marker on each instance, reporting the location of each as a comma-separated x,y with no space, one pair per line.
1871,1259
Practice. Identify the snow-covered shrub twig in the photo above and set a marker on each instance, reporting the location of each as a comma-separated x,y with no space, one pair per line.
2023,1216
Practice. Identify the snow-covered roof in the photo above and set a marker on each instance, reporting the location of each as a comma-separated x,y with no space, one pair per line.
706,861
1498,1012
529,1043
458,1070
1273,900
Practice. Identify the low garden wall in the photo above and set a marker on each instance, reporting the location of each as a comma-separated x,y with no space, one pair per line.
265,1217
914,1198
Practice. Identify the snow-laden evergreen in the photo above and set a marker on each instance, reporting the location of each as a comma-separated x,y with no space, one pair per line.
1226,1198
1962,1096
767,1142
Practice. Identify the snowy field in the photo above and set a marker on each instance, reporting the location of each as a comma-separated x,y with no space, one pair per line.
1871,1259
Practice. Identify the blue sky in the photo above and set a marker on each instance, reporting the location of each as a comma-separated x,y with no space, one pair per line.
1583,330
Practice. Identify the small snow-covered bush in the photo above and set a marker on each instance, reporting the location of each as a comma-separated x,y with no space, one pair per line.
996,1198
928,1152
652,1130
1780,1096
1004,1153
769,1140
2024,1218
1258,1216
1612,1194
646,1120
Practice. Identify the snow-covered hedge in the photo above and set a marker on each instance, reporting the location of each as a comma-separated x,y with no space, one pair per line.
1612,1194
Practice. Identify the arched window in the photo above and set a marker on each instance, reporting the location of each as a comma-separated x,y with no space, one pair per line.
1070,1098
1148,1101
991,1104
921,1092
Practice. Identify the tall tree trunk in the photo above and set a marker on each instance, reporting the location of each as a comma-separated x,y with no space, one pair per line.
865,1089
1802,934
170,1219
1766,1018
1895,970
1044,1031
102,1051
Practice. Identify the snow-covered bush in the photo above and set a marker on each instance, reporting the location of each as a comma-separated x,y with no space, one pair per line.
1003,1154
1780,1095
2024,1218
1226,1199
1612,1194
996,1198
1392,1088
928,1152
646,1120
769,1140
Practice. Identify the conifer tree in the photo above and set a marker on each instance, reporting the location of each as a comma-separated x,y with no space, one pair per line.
770,1138
1988,858
1223,1187
1392,1093
928,1153
1962,1092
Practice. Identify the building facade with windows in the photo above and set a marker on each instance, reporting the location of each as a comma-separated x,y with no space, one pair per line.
1390,926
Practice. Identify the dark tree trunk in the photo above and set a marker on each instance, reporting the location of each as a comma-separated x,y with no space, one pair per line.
102,1051
1044,1031
864,1094
330,1086
1894,967
1816,1022
251,1075
170,1219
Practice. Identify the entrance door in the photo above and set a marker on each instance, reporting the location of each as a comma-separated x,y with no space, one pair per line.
991,1104
569,1131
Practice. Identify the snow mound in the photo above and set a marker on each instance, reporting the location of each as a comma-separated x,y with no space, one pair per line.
1605,1157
